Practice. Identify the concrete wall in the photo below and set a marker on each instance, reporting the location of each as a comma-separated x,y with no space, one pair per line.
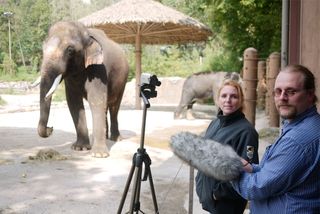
169,92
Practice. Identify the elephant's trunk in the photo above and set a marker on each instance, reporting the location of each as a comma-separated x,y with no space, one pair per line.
47,88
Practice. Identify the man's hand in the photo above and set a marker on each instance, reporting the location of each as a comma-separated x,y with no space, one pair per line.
246,166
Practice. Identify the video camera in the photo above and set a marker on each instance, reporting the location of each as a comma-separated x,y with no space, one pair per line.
148,85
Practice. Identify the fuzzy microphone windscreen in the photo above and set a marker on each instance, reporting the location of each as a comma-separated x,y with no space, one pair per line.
210,157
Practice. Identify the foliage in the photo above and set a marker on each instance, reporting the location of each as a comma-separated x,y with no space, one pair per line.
8,65
246,23
237,25
32,23
166,61
29,24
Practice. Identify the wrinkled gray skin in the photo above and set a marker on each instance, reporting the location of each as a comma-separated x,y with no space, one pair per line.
92,67
201,86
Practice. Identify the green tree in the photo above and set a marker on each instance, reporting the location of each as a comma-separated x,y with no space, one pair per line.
236,25
29,24
32,21
246,23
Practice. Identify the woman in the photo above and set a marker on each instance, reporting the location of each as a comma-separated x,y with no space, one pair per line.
232,128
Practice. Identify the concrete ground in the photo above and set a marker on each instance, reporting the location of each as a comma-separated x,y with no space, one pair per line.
75,182
79,183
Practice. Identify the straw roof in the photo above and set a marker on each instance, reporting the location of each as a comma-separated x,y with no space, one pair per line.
153,22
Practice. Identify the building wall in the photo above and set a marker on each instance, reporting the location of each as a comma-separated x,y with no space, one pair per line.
310,38
304,36
310,33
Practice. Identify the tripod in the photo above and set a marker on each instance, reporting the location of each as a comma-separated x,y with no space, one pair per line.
140,157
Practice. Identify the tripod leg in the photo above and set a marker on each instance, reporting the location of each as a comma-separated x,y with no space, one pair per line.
154,199
135,204
124,195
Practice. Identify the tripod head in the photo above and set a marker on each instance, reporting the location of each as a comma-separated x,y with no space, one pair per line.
148,87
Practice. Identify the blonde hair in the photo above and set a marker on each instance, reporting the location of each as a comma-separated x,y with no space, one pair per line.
237,86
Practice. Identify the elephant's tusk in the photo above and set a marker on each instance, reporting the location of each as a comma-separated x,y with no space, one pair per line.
54,86
36,82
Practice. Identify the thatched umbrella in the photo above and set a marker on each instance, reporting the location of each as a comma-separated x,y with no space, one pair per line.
146,22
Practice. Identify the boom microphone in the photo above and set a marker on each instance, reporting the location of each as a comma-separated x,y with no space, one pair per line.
214,159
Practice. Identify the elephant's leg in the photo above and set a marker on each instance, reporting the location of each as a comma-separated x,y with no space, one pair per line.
115,134
99,132
189,106
181,106
189,114
76,108
97,100
186,100
177,112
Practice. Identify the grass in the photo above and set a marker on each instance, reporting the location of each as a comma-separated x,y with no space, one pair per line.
19,76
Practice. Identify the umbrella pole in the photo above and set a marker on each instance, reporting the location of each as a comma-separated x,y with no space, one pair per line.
138,69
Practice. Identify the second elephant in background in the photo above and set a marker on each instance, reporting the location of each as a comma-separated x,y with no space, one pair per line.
201,86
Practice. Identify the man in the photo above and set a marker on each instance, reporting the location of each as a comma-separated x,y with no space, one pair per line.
287,180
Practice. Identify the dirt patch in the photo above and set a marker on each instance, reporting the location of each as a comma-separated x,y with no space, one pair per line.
47,154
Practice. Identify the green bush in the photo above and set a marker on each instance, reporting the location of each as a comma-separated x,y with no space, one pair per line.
2,102
8,66
20,74
174,62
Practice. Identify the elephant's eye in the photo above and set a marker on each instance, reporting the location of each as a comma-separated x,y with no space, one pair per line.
70,50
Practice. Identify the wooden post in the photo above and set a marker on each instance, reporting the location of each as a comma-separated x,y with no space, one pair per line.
274,67
250,80
262,85
191,184
269,93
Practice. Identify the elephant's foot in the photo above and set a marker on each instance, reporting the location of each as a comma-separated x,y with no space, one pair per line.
116,138
176,115
189,115
100,151
78,146
44,131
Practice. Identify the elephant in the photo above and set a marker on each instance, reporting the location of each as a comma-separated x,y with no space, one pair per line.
92,67
201,86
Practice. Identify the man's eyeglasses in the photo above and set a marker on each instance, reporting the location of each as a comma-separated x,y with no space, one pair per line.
288,92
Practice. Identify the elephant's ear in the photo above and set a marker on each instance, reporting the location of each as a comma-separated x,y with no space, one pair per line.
93,53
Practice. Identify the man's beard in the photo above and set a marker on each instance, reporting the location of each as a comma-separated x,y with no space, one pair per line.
288,113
